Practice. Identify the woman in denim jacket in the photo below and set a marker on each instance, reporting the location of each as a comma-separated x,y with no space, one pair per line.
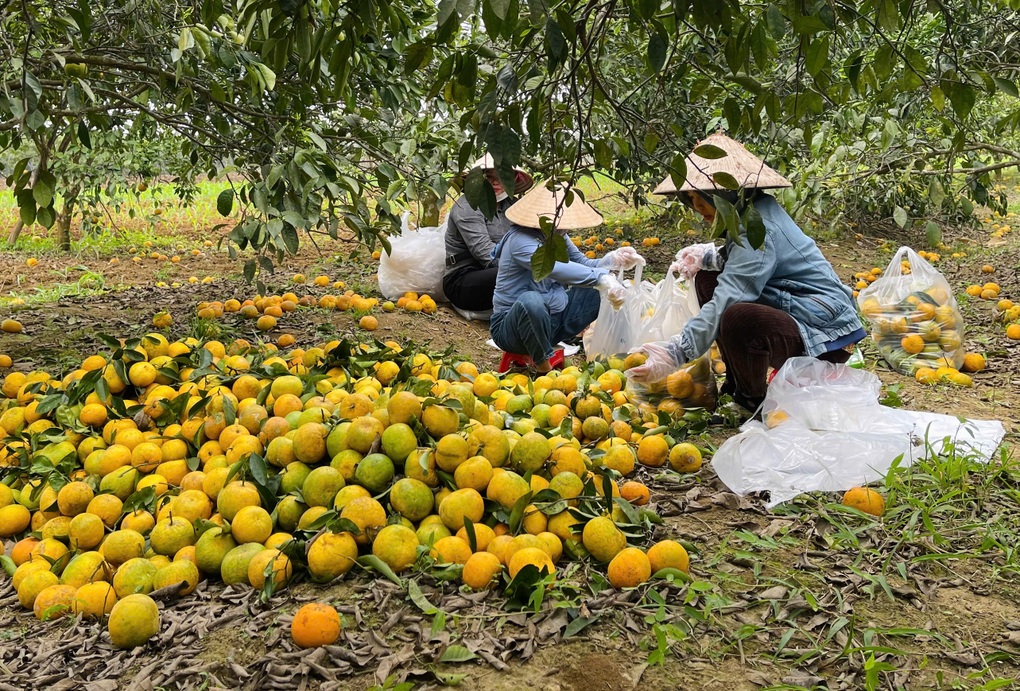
762,306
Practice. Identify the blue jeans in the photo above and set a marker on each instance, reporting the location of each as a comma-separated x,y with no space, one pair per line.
528,328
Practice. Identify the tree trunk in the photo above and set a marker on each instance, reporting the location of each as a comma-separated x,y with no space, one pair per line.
429,210
15,232
44,154
64,220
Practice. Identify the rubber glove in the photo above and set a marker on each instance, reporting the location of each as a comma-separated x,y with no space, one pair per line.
625,258
691,260
613,289
659,365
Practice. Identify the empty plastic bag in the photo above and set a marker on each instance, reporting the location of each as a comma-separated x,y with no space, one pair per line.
670,310
616,331
825,430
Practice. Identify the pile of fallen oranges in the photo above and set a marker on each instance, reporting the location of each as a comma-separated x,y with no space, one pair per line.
156,465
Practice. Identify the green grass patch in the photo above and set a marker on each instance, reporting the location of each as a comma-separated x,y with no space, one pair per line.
158,216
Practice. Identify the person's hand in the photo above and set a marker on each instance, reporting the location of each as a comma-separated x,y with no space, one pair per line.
691,260
659,363
625,258
613,289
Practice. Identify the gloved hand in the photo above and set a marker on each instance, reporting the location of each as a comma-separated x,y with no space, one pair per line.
659,365
614,290
691,260
625,258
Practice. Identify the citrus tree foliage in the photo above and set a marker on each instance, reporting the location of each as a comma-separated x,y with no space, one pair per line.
303,102
335,113
871,107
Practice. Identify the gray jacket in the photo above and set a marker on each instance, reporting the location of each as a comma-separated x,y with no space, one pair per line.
470,236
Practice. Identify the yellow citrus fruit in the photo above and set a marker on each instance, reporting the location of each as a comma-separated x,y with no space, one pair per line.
451,550
668,554
635,492
133,621
653,451
94,600
54,601
180,571
396,545
973,362
631,567
461,505
603,539
314,625
531,556
251,524
269,563
912,344
865,499
368,514
411,498
331,555
33,582
685,458
123,545
134,576
480,570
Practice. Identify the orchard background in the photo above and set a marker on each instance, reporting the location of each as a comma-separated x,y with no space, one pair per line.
160,156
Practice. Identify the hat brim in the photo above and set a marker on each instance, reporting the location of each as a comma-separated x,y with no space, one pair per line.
542,202
748,170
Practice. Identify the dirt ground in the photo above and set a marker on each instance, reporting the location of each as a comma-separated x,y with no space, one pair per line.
805,596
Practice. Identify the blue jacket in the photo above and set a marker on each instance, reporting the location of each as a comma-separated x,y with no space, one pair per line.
789,273
514,277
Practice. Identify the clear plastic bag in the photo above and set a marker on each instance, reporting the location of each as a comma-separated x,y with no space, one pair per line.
670,310
792,459
825,430
691,386
914,318
821,396
415,263
615,331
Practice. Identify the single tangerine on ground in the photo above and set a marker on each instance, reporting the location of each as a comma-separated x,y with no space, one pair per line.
865,499
314,625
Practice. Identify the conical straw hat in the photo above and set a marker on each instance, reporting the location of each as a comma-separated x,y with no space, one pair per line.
748,170
524,181
549,203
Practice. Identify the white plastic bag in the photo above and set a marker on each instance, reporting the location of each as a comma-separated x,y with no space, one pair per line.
915,320
415,263
824,430
671,309
821,396
792,459
616,331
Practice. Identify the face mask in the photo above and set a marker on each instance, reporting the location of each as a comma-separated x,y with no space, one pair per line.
501,196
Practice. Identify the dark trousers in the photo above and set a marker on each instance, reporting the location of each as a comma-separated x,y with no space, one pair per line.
470,288
752,338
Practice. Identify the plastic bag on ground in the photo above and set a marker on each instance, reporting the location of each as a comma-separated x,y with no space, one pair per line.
480,316
914,318
415,263
824,430
616,331
691,386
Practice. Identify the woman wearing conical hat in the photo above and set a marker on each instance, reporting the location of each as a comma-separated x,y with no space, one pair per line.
470,275
529,317
762,306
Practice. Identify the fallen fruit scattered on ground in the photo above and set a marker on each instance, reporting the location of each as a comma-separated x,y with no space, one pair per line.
157,464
